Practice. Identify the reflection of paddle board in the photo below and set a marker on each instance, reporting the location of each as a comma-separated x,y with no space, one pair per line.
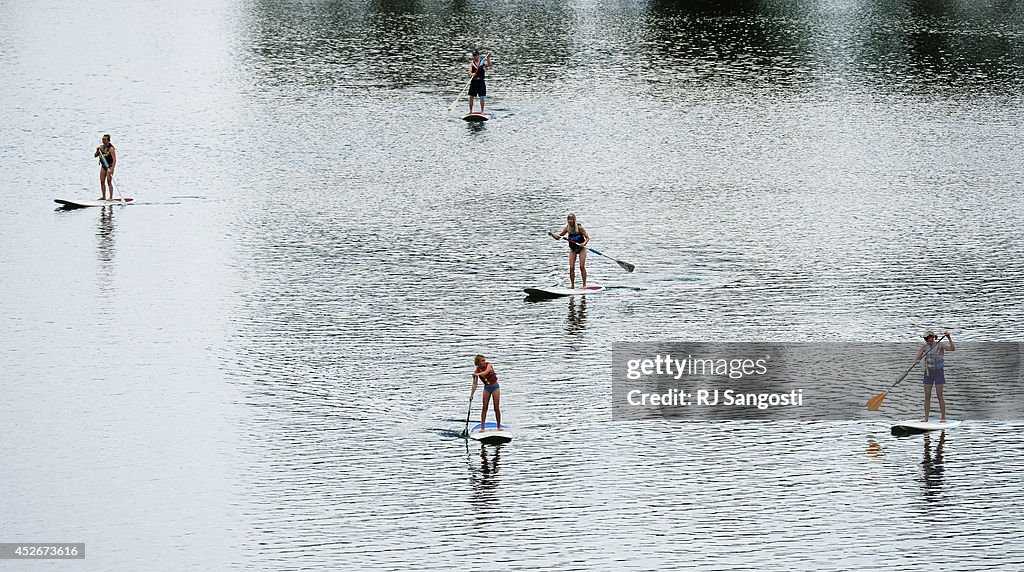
475,117
66,203
918,425
557,292
491,434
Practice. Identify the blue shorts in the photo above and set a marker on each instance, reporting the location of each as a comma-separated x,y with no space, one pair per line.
492,388
934,377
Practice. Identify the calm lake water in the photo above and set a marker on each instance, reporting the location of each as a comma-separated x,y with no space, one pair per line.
264,364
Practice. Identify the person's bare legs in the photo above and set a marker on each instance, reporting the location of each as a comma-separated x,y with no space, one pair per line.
927,400
572,268
104,175
583,266
942,403
496,396
483,410
110,185
471,98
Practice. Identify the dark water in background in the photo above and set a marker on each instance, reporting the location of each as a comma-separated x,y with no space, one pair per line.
264,364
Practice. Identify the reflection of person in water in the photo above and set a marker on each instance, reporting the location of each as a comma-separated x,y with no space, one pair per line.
489,467
106,230
577,314
932,464
105,236
485,481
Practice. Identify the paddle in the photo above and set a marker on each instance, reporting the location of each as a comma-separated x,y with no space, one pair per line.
465,89
875,402
116,187
624,265
465,432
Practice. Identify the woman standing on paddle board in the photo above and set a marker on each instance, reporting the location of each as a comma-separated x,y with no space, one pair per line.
477,85
578,239
932,352
108,158
485,373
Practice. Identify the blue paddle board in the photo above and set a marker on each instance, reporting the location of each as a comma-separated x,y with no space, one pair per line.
491,433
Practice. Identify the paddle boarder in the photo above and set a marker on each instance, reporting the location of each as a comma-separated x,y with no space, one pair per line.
932,352
108,159
485,372
478,85
578,239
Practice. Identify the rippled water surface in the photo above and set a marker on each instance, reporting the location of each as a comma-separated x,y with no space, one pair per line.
264,363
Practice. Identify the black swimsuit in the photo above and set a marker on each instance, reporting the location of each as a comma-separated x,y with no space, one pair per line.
477,86
105,156
577,238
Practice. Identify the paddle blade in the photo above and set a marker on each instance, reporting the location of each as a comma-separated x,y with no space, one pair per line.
626,266
875,402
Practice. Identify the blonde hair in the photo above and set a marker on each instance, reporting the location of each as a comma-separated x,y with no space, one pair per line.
479,359
575,226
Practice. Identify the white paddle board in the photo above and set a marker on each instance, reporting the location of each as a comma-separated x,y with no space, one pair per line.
80,204
475,117
558,292
933,425
491,433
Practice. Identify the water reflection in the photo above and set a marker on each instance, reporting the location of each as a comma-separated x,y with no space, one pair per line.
105,246
694,46
874,448
725,42
576,322
950,45
939,54
326,288
475,127
396,45
484,479
932,479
